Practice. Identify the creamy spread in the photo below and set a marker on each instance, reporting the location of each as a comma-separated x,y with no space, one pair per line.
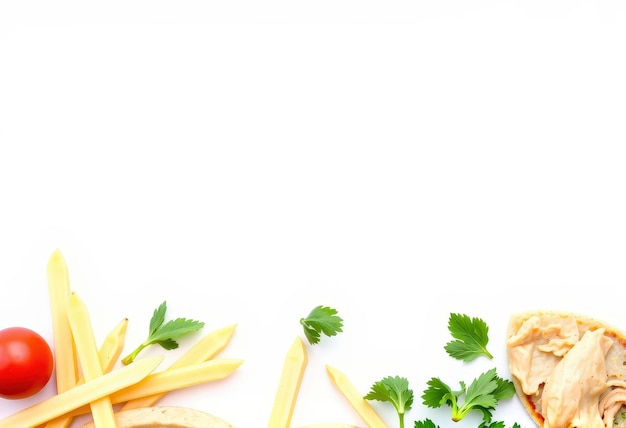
537,347
572,392
573,372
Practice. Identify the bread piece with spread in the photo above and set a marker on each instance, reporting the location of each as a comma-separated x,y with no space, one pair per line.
568,369
166,417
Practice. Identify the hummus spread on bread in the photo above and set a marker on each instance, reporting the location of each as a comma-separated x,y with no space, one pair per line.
569,370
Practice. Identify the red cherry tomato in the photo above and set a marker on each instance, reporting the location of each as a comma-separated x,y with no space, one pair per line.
25,363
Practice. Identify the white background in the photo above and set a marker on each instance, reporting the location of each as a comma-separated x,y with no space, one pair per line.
398,161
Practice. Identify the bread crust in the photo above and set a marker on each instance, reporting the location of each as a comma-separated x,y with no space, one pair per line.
166,417
585,323
329,425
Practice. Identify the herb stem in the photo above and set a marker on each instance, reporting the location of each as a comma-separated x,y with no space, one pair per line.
131,357
164,333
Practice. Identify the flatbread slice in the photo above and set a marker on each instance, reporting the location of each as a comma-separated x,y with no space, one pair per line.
569,370
328,425
166,417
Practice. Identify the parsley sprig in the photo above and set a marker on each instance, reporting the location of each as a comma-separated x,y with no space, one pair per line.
498,424
481,395
394,390
427,423
164,334
472,337
322,319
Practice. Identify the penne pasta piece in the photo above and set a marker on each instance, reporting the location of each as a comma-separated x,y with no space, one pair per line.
113,346
80,323
205,349
108,355
81,395
60,422
182,377
66,368
172,379
355,398
289,385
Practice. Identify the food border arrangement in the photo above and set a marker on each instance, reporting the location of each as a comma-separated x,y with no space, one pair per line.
566,370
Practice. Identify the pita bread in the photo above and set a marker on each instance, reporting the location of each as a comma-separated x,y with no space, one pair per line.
166,417
569,370
329,425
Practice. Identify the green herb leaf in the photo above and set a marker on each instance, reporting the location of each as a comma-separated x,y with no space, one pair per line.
426,423
394,390
497,424
472,337
168,344
322,319
438,394
504,390
481,395
171,330
158,316
166,334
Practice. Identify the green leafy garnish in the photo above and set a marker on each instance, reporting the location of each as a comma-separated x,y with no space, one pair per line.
394,390
472,336
322,319
164,334
482,395
426,423
498,424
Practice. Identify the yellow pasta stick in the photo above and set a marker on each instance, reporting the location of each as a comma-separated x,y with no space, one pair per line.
81,395
63,346
109,353
289,385
181,377
172,379
203,350
60,422
80,323
112,347
355,398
